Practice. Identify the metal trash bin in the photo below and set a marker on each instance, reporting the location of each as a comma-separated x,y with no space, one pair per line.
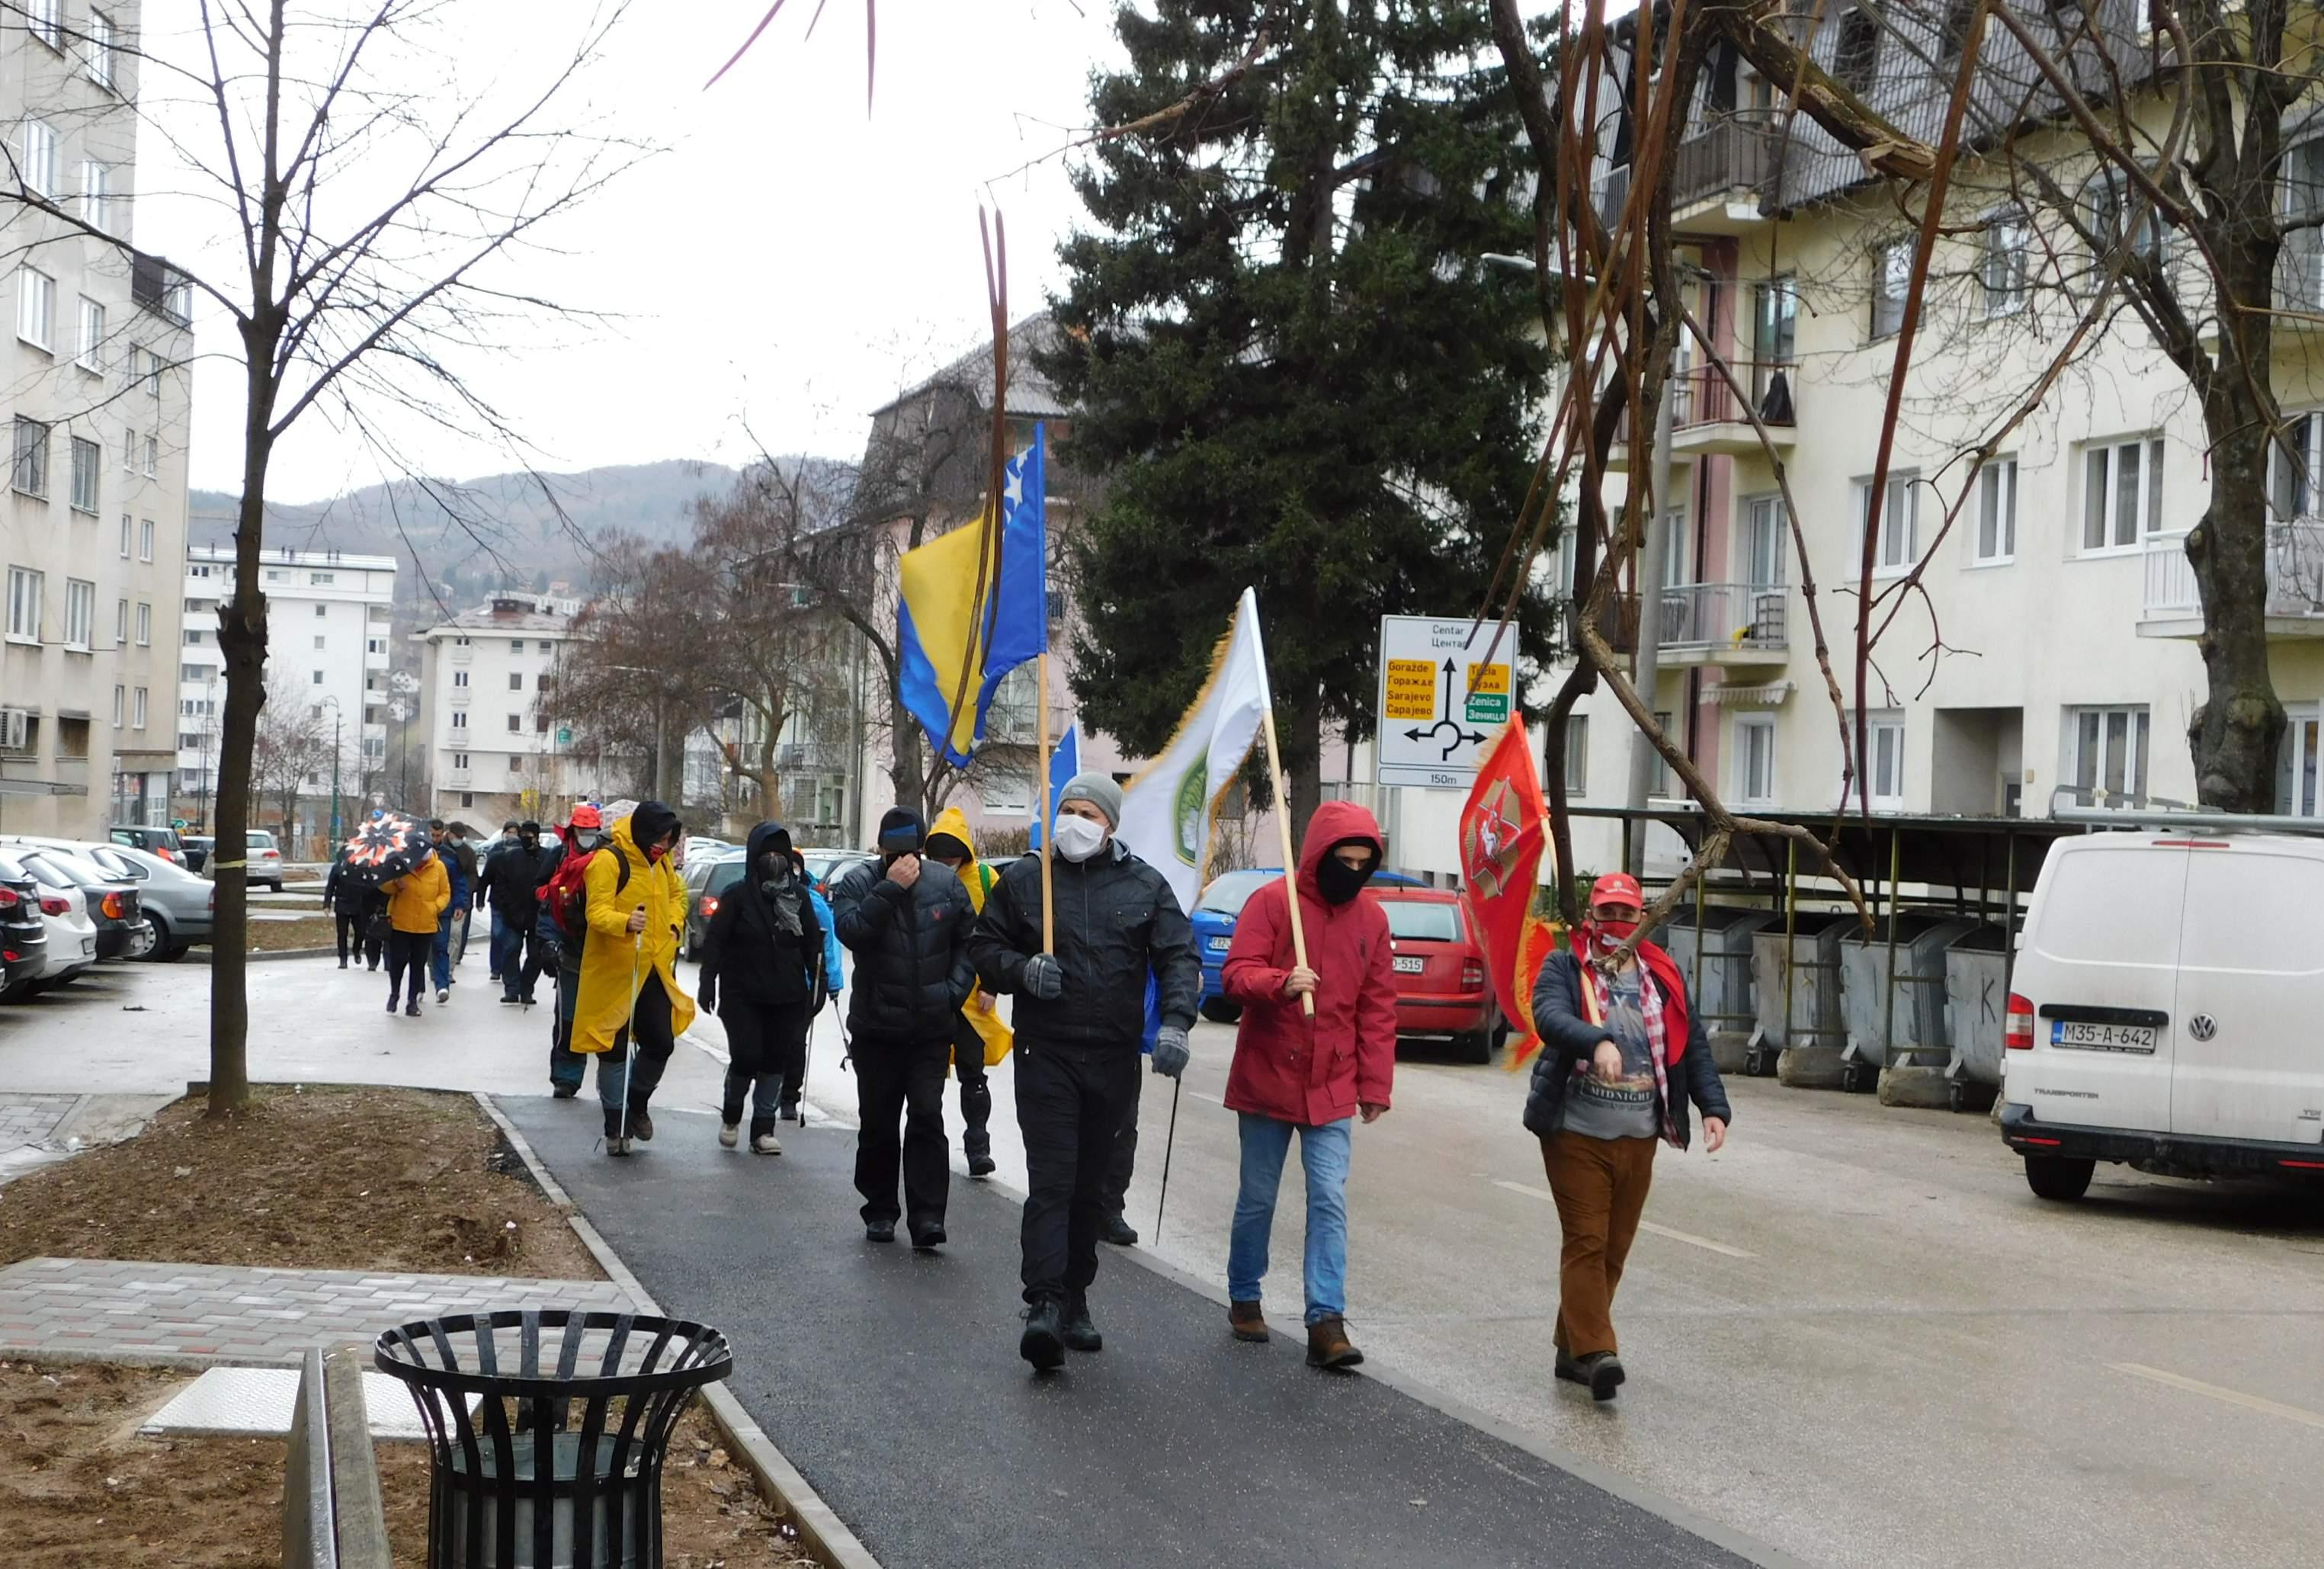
1815,990
597,1505
1877,1033
1977,1004
1724,1000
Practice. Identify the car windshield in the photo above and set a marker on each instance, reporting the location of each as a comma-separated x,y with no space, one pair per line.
1419,921
259,839
1228,893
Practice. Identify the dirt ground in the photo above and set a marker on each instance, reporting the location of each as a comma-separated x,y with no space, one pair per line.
80,1486
415,1181
309,931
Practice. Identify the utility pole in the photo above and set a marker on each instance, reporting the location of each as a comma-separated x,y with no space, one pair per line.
1651,567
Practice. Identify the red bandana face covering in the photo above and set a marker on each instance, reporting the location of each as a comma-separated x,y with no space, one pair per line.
1609,934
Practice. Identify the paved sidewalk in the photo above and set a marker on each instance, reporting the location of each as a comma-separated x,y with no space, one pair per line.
117,1311
29,1118
892,1381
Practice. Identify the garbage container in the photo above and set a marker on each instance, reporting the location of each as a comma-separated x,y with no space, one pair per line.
596,1393
1917,1018
1813,959
1977,1002
1724,1000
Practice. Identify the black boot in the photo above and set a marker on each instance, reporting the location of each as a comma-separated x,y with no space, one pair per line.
1079,1330
1042,1343
1120,1231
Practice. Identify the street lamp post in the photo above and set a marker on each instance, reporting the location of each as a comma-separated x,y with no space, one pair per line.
337,718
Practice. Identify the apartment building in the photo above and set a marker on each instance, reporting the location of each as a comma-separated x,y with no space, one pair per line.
492,752
328,615
95,393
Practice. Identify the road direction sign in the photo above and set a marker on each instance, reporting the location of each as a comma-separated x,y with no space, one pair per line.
1441,697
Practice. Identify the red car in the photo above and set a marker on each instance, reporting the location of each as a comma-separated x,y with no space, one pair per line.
1440,988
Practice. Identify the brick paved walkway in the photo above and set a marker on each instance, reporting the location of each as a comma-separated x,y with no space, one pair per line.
186,1313
29,1118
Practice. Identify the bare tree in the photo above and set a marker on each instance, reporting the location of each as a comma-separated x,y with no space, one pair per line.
293,745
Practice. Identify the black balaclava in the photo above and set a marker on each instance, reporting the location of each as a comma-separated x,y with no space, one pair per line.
650,823
781,894
1340,882
901,832
529,835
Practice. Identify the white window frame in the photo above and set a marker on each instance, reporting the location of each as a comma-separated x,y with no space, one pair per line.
1993,540
516,723
1764,520
2007,266
84,486
1892,286
37,482
2297,792
2295,467
1893,559
2137,738
145,539
81,616
1577,756
120,623
144,623
124,536
88,337
516,681
120,705
38,171
1883,761
102,40
36,303
459,678
137,709
459,718
320,643
1747,725
25,587
2100,483
97,195
153,456
45,20
2104,199
460,761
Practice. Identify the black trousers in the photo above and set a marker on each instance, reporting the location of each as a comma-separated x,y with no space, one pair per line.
408,951
897,1077
350,924
767,1048
1124,1158
975,1088
1070,1105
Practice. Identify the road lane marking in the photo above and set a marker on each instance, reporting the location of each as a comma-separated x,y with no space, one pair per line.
1675,1234
2230,1397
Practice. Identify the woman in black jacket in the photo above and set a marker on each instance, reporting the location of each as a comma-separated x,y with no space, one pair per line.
762,972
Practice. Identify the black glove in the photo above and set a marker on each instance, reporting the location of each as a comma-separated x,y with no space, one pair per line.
709,995
1171,1051
1045,978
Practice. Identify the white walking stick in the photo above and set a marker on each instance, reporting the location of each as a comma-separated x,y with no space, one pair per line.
630,1063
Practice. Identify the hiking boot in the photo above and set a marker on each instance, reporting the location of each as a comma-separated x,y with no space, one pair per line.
618,1146
1328,1347
411,1008
505,999
565,1092
729,1135
981,1166
1119,1232
1245,1320
1042,1343
766,1144
928,1239
640,1125
390,1002
1079,1330
343,964
878,1231
791,1113
1602,1370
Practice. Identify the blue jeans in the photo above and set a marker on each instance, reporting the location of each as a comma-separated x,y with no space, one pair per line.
500,934
1323,1152
442,955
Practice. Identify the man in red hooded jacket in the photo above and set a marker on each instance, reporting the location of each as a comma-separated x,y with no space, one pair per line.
1312,1076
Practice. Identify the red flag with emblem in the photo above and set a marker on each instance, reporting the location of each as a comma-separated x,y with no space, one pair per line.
1504,827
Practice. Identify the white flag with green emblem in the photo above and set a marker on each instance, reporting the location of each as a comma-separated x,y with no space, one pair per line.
1171,810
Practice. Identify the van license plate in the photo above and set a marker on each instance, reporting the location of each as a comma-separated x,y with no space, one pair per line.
1220,944
2080,1037
1410,966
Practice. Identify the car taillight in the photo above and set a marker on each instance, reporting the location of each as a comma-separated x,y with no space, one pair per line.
2018,1029
709,905
8,900
165,853
116,908
213,902
1472,974
55,904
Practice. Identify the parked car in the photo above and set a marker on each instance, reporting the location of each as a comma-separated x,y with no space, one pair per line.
707,882
1214,920
180,909
825,867
2160,1009
113,905
1441,985
162,841
197,850
23,935
265,860
72,934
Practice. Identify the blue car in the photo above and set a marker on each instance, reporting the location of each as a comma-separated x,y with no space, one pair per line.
1214,920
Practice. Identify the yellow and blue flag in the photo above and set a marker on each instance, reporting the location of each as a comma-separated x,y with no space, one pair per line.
976,602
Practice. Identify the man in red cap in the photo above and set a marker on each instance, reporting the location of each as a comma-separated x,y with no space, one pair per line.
568,1068
1623,1053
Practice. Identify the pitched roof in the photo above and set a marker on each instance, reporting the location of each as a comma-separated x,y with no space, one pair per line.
1029,393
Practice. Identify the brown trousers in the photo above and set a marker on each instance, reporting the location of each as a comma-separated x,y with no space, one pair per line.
1600,1188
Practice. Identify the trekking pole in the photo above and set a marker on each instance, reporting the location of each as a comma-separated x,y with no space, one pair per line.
630,1066
1169,1141
807,1058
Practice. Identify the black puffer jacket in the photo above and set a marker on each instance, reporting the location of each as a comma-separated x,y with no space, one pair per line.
1568,1038
748,952
911,946
1116,921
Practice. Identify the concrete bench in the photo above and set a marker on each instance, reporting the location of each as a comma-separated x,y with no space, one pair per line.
332,1515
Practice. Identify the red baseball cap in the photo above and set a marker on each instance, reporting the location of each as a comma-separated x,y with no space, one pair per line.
1616,887
586,816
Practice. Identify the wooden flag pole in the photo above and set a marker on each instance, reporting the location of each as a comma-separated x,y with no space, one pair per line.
1041,805
1290,866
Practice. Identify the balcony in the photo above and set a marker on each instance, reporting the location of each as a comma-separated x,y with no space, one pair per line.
1707,420
458,779
462,653
1716,183
1727,624
2295,584
457,697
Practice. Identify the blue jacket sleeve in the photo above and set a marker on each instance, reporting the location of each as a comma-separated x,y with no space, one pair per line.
833,953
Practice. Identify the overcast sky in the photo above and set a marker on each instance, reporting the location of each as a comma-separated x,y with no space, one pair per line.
783,268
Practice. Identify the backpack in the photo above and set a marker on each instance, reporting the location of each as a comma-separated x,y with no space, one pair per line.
564,897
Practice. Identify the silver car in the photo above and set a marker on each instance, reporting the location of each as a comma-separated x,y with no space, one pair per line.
179,909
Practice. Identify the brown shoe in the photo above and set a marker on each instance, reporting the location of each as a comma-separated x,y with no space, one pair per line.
1245,1319
1328,1347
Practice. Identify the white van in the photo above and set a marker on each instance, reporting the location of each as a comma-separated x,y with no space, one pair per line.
2167,1009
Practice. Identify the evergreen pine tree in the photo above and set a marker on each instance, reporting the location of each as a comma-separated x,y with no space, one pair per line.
1290,365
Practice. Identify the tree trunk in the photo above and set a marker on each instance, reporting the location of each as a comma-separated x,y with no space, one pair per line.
242,638
1299,731
2236,732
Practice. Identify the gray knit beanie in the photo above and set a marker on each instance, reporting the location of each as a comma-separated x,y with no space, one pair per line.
1099,791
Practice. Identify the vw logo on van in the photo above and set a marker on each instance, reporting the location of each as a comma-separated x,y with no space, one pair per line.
2203,1027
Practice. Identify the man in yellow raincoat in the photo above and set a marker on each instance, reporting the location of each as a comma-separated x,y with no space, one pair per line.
979,1040
634,909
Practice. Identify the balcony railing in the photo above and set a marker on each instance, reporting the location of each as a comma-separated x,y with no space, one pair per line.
1701,398
1733,153
2295,573
1741,617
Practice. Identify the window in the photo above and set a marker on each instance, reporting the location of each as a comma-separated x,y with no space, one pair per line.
516,723
202,571
151,373
459,677
38,171
153,456
1996,511
1898,521
516,645
541,725
1664,779
44,20
87,459
2107,202
80,614
121,712
129,451
194,637
1754,759
275,577
2295,762
2301,276
137,710
1892,279
467,797
89,349
1766,542
375,645
516,763
318,643
144,623
2107,762
1577,755
31,475
516,681
145,539
2293,468
198,571
120,623
1883,762
1775,320
460,760
1855,55
100,40
36,294
1676,538
459,719
97,195
321,580
2007,247
319,678
2122,495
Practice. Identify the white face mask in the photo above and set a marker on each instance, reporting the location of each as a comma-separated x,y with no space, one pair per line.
1078,838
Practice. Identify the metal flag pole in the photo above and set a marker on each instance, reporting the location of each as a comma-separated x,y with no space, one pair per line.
1169,1143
